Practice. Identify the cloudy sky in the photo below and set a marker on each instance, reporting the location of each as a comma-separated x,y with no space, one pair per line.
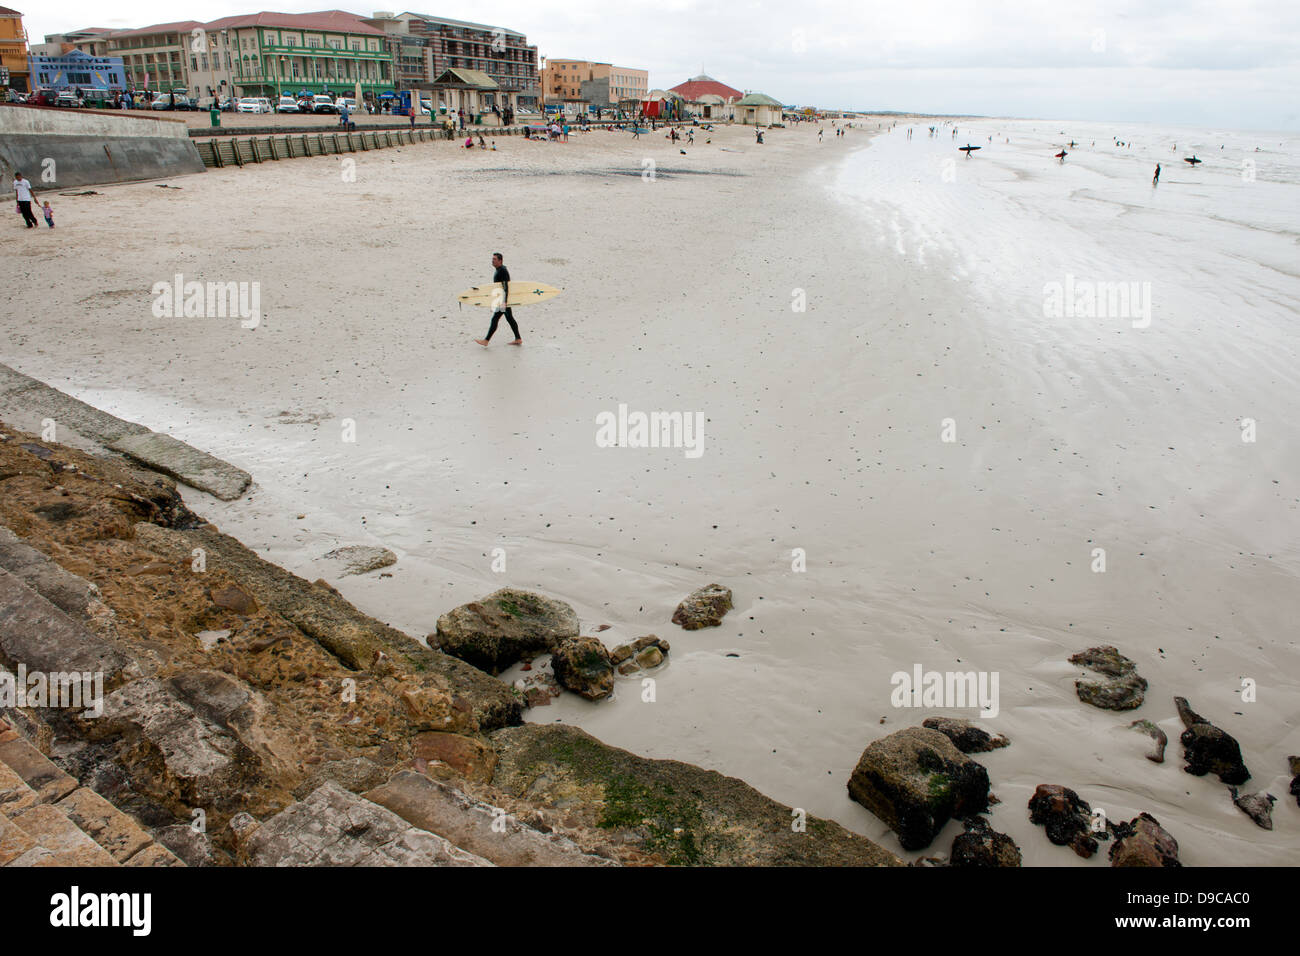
1208,63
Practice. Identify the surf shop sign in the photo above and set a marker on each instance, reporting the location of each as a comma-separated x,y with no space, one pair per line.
1086,299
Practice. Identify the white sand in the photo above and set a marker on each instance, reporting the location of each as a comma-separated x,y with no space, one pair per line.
822,428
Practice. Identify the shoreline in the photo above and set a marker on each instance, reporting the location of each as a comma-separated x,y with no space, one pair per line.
456,458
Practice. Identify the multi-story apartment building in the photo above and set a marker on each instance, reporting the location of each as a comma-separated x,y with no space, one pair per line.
596,84
92,41
156,57
258,54
13,50
504,55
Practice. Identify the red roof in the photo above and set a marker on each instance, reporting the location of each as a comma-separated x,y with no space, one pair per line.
6,12
181,26
336,21
698,86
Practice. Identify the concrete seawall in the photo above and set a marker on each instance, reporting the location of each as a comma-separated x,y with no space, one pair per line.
59,148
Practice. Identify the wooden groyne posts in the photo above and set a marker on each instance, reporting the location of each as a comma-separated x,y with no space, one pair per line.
235,150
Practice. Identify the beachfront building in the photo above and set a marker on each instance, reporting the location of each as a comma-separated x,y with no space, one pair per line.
269,54
708,98
155,57
92,41
13,50
757,109
77,71
577,85
257,54
500,54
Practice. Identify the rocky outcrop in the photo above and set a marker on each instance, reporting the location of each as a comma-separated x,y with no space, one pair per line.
1257,806
1208,749
1158,739
982,846
1066,817
361,558
1143,842
474,826
703,608
663,811
966,736
503,628
332,827
915,780
582,665
643,654
466,757
1119,688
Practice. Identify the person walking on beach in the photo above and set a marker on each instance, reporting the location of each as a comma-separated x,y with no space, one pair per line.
49,214
23,192
501,275
1155,180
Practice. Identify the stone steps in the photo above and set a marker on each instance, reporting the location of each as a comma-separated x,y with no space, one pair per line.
48,819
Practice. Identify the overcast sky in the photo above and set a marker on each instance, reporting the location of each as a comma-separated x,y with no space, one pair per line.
1208,63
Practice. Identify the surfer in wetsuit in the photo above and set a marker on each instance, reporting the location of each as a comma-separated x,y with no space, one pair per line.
502,275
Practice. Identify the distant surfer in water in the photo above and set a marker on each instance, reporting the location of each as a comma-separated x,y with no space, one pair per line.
502,275
1155,180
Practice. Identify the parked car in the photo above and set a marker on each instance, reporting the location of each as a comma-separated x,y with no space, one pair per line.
227,104
69,98
321,103
347,101
16,97
254,104
287,104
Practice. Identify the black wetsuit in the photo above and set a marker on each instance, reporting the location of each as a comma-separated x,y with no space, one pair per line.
503,276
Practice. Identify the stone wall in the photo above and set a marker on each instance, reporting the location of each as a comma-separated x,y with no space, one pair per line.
61,148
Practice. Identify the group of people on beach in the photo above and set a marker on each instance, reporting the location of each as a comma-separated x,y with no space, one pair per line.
25,197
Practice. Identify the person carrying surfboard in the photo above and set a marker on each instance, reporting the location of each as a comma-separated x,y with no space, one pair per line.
502,304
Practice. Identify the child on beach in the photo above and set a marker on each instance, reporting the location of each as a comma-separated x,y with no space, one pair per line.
49,214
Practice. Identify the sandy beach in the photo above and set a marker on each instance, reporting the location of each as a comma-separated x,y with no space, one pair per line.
833,311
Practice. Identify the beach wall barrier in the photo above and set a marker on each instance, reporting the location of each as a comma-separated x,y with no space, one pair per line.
241,149
58,148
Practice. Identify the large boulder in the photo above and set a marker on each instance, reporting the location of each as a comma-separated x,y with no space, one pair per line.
982,846
1066,817
1257,806
1119,687
916,780
503,628
1208,749
703,608
1143,842
582,665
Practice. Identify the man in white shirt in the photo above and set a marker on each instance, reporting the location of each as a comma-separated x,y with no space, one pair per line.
23,190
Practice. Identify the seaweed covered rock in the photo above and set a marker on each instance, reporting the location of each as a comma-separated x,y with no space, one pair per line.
1143,842
981,845
1208,749
703,608
665,811
916,780
503,628
1066,817
1119,688
582,665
